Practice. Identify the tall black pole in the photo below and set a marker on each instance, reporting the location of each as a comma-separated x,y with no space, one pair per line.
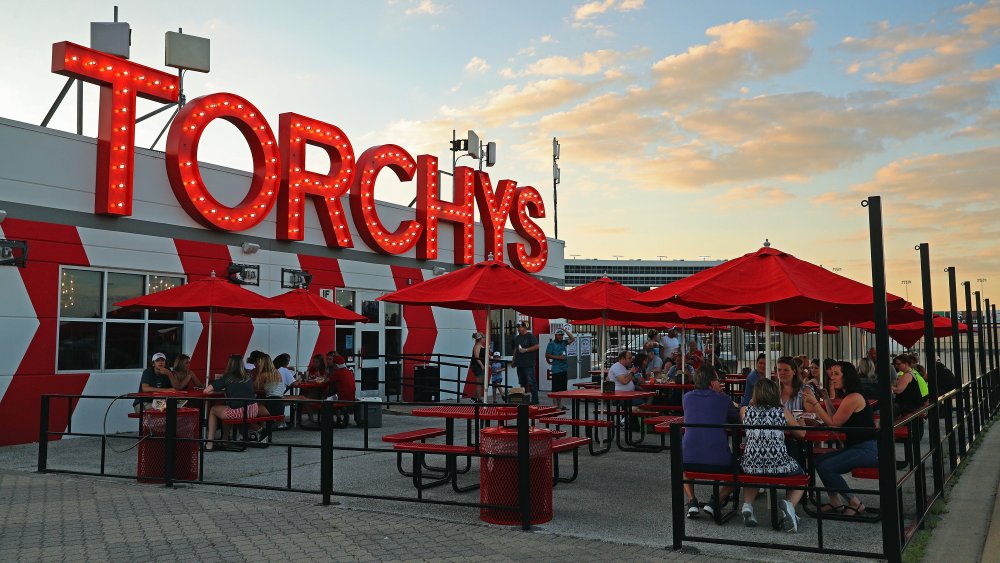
891,540
989,334
930,362
984,388
973,367
956,354
996,339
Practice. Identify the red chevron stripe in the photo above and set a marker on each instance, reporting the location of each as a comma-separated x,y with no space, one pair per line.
51,246
230,334
421,329
326,275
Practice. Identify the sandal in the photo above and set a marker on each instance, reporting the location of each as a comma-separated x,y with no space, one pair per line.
827,508
855,510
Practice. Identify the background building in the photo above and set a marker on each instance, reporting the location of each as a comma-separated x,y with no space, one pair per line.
640,275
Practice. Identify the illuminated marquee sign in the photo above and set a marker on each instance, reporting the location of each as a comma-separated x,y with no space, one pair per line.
280,176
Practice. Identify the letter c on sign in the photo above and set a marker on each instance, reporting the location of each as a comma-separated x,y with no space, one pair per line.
182,162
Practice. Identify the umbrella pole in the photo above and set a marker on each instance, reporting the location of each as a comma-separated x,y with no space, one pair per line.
604,343
488,367
681,371
822,358
208,356
850,344
298,333
767,340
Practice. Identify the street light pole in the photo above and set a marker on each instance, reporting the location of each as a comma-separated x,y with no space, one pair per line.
981,282
555,184
906,285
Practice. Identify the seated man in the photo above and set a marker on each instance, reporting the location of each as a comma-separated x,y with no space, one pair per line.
155,377
344,389
654,365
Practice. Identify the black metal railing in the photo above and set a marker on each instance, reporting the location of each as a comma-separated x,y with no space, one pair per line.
169,441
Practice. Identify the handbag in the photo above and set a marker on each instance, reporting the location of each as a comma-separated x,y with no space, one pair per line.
608,387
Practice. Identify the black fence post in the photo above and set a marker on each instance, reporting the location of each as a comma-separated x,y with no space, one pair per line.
891,538
676,486
326,451
973,366
524,466
956,354
43,436
984,387
989,335
170,437
930,361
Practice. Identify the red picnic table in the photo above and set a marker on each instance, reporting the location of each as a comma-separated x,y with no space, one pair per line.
624,400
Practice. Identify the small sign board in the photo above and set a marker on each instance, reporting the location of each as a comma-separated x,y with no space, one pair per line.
586,345
291,279
244,274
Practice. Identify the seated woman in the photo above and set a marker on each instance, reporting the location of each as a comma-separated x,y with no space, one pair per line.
318,371
269,384
906,388
764,450
860,448
707,449
242,400
791,383
181,376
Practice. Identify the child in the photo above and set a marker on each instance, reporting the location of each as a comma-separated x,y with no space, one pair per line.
765,452
496,377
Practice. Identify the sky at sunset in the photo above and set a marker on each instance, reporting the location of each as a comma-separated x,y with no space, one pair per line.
687,128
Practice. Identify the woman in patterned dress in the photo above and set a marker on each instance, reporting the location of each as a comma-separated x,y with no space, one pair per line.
765,452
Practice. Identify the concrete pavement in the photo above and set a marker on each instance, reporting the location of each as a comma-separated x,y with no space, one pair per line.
59,518
971,529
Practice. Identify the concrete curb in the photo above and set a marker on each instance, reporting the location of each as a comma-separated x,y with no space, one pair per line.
971,529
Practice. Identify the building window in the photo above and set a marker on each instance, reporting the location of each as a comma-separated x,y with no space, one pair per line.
95,335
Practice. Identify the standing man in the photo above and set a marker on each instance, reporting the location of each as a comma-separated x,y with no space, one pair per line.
555,354
670,343
525,345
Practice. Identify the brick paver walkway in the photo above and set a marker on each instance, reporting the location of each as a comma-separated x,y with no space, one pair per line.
63,518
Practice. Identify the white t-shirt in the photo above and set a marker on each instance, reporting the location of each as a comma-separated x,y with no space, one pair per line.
617,370
670,345
287,376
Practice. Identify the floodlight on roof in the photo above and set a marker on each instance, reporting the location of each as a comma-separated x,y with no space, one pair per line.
187,52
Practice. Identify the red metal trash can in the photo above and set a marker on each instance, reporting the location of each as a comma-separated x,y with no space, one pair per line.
151,466
498,477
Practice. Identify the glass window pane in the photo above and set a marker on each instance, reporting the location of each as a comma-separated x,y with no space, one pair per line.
393,344
79,346
369,344
345,342
393,314
123,346
345,298
370,310
80,294
166,338
120,288
159,283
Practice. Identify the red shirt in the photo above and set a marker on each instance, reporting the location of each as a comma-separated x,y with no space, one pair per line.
343,380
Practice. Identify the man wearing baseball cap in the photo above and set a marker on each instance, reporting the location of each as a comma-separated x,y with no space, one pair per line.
555,354
155,377
525,348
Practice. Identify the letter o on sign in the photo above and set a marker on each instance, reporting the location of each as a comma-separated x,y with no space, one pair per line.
182,162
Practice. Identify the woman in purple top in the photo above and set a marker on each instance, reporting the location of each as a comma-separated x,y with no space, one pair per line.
707,449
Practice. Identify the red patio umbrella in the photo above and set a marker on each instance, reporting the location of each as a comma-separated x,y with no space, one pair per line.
489,284
777,285
908,334
301,305
210,294
616,302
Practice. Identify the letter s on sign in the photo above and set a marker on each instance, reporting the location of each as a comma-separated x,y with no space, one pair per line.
528,203
182,162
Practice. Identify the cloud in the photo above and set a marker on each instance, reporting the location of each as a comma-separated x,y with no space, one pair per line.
911,54
752,195
511,102
424,8
739,52
986,126
593,9
546,39
477,65
589,63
